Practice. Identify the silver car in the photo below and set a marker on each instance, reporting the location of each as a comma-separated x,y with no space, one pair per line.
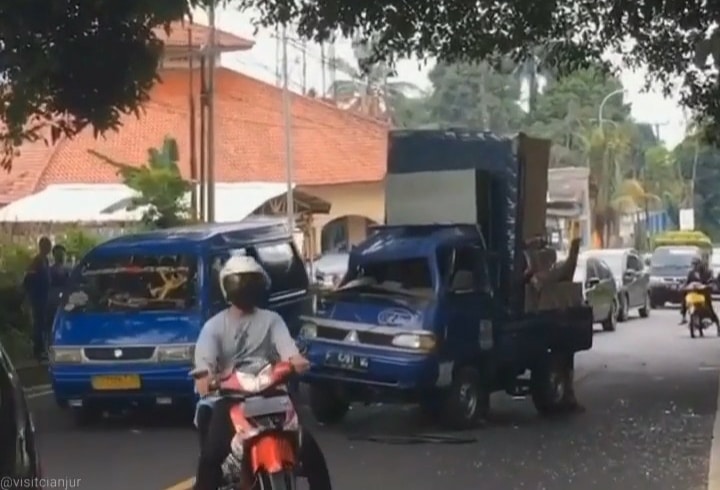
599,290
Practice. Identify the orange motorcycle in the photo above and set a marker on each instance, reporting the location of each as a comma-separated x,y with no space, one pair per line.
265,447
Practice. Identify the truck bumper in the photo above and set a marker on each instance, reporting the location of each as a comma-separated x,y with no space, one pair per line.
159,385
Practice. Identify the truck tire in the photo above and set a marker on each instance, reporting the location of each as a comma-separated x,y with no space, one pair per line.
551,385
467,402
326,404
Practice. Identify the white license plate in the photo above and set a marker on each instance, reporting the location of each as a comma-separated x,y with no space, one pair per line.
258,406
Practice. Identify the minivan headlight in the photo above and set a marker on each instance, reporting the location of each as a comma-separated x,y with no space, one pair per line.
308,331
417,341
65,355
175,353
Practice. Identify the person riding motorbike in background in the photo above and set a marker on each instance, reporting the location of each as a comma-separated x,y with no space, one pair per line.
699,273
242,333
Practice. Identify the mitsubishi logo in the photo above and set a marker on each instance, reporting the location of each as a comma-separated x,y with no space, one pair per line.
118,353
352,337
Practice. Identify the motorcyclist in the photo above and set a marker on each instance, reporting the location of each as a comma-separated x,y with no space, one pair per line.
699,273
241,333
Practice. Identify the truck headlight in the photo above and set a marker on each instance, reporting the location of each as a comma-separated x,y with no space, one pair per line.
416,341
176,353
308,331
65,355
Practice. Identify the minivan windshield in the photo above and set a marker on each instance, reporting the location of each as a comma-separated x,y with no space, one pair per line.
673,258
133,282
407,276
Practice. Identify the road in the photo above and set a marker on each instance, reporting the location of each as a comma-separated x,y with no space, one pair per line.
650,393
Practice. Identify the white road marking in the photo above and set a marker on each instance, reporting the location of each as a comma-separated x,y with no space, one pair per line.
714,468
183,485
38,394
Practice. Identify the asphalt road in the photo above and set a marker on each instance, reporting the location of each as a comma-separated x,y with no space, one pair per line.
650,393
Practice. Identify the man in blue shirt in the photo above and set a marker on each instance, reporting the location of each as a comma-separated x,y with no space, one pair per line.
37,288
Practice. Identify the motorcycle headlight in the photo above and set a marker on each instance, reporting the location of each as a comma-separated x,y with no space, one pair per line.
65,355
176,353
308,331
416,341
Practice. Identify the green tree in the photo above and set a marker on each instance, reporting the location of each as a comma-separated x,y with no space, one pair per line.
67,64
700,162
666,35
474,95
161,189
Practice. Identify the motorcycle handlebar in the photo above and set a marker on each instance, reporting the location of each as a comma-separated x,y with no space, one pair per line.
233,384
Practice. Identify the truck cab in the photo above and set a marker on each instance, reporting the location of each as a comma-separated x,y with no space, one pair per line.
413,300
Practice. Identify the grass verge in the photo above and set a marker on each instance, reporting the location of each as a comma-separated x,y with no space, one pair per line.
19,348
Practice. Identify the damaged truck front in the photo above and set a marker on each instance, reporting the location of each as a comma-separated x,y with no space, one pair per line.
456,297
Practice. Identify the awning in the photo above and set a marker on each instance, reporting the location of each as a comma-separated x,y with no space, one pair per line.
98,203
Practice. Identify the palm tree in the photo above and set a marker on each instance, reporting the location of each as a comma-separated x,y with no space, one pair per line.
369,90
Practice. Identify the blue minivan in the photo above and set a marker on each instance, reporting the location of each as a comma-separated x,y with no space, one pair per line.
125,330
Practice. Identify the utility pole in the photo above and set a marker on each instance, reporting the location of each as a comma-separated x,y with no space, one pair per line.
287,118
324,67
211,116
303,47
193,135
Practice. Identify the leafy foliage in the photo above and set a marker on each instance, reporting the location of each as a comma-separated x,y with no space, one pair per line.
70,63
668,36
159,184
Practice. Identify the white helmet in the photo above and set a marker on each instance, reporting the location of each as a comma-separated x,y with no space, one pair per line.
240,264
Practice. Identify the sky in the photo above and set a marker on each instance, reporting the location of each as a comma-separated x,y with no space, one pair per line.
264,59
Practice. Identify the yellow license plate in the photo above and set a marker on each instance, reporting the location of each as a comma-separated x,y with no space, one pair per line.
119,382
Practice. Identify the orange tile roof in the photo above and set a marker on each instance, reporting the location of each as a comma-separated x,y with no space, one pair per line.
177,37
331,146
26,171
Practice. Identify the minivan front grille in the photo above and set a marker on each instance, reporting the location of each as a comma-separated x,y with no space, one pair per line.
364,337
119,353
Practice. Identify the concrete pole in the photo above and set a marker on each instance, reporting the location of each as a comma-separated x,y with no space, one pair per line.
287,118
212,42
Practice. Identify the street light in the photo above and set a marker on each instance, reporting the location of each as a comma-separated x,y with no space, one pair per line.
604,101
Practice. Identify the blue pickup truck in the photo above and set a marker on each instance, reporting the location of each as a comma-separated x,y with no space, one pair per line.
435,307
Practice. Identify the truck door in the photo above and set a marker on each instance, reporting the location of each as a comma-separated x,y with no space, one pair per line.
468,303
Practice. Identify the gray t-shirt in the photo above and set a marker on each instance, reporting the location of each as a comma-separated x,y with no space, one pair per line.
228,339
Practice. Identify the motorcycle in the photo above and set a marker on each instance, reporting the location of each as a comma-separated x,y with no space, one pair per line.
265,447
695,300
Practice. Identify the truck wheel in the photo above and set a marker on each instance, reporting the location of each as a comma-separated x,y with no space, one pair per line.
610,323
468,400
326,404
550,386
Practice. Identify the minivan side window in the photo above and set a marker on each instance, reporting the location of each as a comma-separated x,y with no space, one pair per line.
284,267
